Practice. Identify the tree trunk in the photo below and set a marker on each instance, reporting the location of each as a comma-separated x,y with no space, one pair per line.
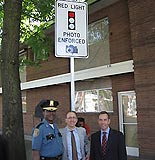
11,93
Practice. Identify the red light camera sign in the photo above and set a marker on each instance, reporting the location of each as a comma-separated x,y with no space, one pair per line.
71,28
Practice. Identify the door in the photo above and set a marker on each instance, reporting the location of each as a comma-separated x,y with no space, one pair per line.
128,121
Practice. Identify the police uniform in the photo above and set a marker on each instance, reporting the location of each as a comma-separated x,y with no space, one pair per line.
47,139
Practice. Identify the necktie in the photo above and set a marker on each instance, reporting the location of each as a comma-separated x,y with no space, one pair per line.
104,143
74,151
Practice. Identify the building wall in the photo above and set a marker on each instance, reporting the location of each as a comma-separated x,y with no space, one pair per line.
56,92
132,37
119,51
142,24
120,41
52,67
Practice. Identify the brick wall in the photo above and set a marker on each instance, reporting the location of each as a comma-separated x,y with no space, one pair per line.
57,92
120,50
120,41
142,23
51,67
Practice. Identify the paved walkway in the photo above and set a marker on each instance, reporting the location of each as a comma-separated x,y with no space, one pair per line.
29,152
132,158
28,149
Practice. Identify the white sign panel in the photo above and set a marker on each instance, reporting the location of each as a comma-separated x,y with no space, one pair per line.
71,28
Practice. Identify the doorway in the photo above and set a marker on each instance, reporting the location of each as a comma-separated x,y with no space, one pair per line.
128,121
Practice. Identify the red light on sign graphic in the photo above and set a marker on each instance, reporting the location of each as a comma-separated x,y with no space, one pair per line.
71,14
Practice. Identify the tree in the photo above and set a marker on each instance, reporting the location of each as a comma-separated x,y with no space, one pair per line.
13,21
11,96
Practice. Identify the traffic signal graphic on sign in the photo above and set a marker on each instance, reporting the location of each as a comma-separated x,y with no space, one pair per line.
71,20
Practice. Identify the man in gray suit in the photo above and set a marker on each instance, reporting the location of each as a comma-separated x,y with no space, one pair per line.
82,143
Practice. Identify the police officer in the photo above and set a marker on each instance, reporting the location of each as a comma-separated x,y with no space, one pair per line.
46,138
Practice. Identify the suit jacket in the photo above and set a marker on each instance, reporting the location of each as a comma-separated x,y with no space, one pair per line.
84,143
116,149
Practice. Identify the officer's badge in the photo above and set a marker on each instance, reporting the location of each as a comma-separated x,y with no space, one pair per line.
36,132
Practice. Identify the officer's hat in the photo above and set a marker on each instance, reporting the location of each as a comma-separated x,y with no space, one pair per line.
49,105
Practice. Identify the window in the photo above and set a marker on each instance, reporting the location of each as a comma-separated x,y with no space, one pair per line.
24,101
98,31
94,100
22,69
99,52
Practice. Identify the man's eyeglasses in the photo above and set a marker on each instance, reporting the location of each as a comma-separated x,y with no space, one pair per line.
71,118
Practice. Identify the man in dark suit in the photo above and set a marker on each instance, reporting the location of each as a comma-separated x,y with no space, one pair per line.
112,146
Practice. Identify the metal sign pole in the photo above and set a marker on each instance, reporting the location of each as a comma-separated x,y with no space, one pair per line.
72,84
71,34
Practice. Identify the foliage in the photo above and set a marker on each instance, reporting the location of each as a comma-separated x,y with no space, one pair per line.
37,16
